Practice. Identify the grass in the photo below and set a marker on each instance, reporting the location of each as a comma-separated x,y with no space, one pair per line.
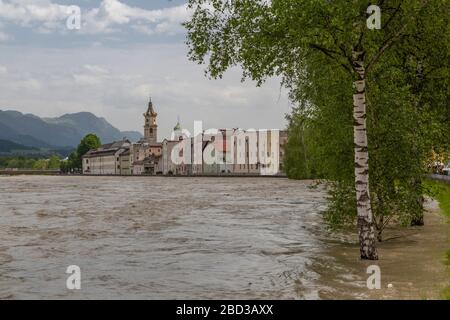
441,192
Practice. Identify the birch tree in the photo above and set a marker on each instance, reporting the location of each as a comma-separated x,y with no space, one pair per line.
275,38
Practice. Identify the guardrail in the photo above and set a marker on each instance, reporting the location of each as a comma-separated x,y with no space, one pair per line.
29,172
439,177
57,173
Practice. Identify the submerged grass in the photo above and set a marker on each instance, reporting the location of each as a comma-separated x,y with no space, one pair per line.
441,192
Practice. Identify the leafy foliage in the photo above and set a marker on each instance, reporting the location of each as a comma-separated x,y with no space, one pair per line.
89,142
28,163
74,161
309,44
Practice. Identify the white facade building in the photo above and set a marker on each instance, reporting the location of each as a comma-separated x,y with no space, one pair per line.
110,159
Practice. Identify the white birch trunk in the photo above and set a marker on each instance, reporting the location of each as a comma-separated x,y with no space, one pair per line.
366,226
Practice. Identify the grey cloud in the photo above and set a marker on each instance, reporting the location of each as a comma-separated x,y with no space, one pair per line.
115,83
46,16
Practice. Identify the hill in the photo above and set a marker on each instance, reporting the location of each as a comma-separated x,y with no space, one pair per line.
7,147
65,131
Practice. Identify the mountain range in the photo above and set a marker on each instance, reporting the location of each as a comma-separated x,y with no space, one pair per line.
61,132
7,147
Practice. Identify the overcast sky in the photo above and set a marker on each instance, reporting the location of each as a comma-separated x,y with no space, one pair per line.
125,51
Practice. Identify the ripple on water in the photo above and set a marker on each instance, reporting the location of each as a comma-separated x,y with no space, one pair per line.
156,238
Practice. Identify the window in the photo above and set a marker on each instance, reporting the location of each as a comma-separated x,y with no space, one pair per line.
87,161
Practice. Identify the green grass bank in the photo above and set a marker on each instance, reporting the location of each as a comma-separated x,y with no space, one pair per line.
441,192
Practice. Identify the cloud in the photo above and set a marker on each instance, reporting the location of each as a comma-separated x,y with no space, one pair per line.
30,84
91,75
115,83
111,16
96,69
27,13
4,36
3,70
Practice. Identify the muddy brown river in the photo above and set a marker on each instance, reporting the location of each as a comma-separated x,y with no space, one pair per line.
198,238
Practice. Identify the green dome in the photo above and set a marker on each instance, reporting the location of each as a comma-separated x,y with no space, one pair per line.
177,127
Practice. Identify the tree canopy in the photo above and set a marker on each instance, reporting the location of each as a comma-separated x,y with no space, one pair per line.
326,55
89,142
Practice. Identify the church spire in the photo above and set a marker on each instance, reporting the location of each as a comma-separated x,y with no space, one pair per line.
177,126
150,126
150,109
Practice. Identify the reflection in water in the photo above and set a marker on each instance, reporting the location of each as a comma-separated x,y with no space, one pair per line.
183,238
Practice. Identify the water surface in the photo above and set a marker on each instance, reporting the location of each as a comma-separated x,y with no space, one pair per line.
190,238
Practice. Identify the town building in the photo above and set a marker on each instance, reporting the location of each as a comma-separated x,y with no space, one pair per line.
150,127
212,152
168,166
147,153
241,152
110,159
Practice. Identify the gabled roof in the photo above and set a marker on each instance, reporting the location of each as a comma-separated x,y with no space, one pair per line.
126,152
108,149
157,145
144,143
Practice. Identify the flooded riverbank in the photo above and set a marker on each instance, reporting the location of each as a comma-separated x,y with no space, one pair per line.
197,238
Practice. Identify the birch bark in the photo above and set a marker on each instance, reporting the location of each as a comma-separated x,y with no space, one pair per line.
366,226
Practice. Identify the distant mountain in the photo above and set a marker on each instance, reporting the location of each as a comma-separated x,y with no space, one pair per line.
64,131
86,122
12,147
8,133
132,135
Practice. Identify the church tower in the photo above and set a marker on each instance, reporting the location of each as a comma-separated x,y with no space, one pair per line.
150,127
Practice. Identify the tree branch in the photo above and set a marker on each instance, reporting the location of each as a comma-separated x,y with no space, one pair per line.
329,53
386,45
393,15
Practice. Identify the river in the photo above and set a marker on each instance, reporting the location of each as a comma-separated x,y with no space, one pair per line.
198,238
